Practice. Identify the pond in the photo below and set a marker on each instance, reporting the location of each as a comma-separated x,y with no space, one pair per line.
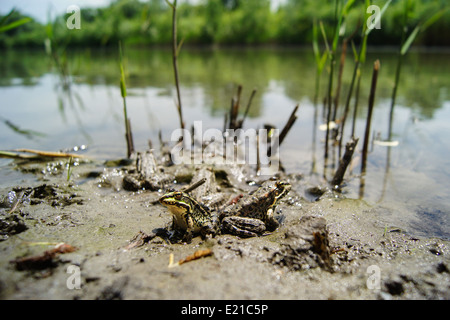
409,182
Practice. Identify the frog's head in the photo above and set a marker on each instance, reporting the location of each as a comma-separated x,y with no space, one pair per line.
282,188
177,202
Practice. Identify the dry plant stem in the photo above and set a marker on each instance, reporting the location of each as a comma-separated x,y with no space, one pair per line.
248,107
285,130
329,101
123,91
50,154
339,82
341,70
234,111
194,185
376,67
345,161
129,138
355,109
258,160
288,125
394,95
233,103
175,50
347,103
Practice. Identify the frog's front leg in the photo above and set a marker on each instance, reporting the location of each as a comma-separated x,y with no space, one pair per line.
187,237
208,231
271,222
242,226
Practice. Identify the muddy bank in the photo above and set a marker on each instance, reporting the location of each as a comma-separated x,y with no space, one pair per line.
332,248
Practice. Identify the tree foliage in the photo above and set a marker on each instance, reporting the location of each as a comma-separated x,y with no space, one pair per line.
227,22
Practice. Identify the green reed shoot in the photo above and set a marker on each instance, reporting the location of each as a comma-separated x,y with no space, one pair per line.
123,92
5,25
340,15
404,47
320,59
360,57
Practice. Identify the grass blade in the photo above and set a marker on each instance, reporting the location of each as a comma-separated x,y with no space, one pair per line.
410,40
14,24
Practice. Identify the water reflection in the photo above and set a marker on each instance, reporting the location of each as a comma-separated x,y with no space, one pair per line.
89,111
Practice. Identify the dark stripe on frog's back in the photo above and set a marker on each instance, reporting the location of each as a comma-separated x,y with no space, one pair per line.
201,212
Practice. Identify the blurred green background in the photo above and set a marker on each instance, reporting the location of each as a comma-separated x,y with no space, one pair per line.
225,22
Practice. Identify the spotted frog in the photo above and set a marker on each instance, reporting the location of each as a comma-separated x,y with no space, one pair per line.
253,214
189,216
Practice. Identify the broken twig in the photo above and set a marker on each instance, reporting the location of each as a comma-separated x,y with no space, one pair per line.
17,153
194,185
43,261
285,130
195,256
343,164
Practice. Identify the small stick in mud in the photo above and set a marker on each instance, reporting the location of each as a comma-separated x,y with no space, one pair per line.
258,160
241,122
289,124
343,164
43,261
194,185
234,110
38,154
285,130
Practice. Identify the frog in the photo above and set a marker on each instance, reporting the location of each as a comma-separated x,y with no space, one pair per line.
254,214
190,217
208,193
147,174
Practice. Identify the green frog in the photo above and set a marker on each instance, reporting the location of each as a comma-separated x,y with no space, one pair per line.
247,217
189,216
254,214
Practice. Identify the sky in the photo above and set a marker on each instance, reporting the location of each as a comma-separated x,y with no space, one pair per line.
38,9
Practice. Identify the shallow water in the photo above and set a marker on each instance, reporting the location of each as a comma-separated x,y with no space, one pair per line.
409,181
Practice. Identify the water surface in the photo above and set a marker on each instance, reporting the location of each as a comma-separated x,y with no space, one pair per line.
408,182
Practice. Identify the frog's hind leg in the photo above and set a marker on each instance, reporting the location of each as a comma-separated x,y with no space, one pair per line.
243,227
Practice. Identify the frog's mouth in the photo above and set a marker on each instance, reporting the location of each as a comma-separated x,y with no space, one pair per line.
174,206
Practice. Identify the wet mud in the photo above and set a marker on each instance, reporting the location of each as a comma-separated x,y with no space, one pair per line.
88,238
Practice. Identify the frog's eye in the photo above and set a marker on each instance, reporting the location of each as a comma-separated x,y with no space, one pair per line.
177,196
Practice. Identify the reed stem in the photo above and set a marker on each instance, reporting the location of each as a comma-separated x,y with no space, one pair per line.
355,109
376,68
285,130
123,92
394,93
175,51
241,123
345,161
